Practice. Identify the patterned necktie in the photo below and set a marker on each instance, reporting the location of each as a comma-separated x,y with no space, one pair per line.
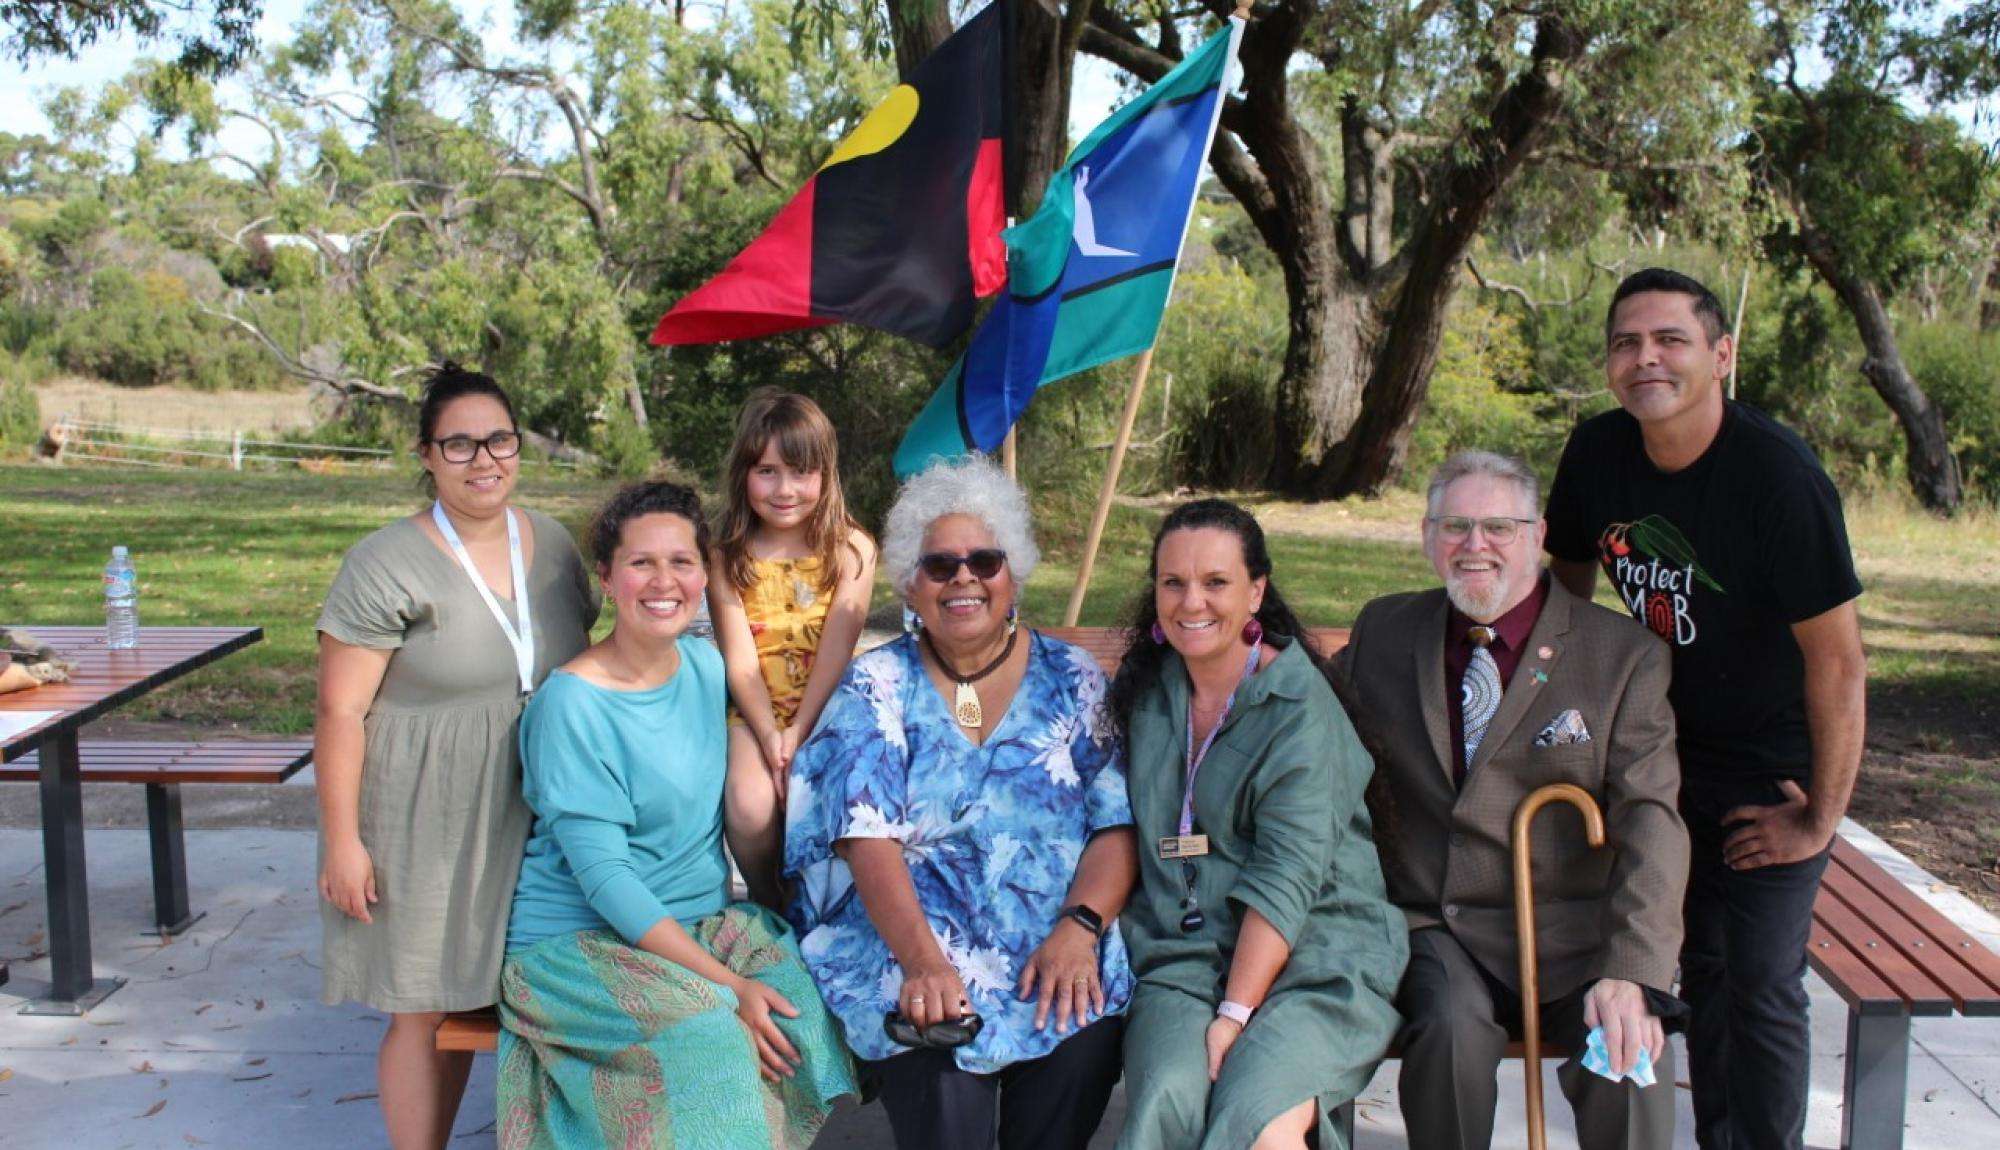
1479,698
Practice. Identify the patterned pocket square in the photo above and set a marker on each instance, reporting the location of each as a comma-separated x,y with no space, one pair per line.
1564,730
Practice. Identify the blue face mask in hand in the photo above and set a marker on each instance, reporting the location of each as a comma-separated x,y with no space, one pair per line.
1598,1061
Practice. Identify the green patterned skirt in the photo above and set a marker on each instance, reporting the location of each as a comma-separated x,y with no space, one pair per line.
603,1044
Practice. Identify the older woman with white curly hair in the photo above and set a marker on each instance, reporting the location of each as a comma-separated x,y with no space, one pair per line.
961,843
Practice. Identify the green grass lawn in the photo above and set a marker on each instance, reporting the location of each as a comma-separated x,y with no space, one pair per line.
232,549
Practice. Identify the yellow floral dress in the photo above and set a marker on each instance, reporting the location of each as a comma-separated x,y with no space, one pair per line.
786,608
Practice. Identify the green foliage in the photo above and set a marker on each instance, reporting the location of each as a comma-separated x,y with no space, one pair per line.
20,414
144,328
1481,395
1891,192
1960,369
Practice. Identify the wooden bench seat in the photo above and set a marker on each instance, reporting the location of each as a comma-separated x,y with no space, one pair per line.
1887,953
162,768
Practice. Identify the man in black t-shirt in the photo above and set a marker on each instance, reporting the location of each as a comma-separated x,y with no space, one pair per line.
1720,531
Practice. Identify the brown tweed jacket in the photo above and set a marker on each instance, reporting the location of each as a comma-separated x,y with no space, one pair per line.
1610,913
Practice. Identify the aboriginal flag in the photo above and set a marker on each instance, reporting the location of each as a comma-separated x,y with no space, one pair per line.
898,230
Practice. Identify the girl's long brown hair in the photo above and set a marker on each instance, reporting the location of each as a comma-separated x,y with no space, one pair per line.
806,441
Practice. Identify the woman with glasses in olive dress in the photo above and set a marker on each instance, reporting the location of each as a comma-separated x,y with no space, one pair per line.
431,638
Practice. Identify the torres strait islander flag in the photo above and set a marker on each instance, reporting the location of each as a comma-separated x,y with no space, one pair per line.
898,230
1090,272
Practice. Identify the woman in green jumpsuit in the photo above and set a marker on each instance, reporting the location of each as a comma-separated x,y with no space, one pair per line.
1266,949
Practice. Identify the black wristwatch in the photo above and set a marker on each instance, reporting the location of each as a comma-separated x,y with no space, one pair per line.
1086,918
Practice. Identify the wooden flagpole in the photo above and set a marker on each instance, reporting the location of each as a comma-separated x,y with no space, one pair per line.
1007,454
1103,512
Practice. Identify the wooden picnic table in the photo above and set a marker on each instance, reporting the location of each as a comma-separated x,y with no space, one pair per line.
103,680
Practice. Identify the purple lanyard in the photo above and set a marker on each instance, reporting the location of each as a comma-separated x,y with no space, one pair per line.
1193,757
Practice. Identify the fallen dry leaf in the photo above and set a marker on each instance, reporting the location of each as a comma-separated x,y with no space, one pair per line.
256,1062
253,1077
5,1073
155,1108
193,1141
204,1008
260,1004
364,1095
145,1067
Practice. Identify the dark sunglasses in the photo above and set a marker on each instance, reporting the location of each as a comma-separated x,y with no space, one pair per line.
462,448
946,1035
1191,916
940,566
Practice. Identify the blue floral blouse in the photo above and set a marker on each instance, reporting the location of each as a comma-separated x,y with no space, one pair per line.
991,834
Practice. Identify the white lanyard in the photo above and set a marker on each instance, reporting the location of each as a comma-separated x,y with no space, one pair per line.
1192,761
521,633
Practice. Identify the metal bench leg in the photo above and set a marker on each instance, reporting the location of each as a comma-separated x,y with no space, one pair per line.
170,878
1877,1077
73,988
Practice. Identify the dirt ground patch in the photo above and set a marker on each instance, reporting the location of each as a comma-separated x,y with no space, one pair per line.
174,408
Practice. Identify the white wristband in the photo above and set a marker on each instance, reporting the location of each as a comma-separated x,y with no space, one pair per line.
1235,1012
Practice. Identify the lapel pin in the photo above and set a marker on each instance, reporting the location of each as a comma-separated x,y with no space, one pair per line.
1547,652
1541,676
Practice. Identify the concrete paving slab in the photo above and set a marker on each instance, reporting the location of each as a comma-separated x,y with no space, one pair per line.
180,1056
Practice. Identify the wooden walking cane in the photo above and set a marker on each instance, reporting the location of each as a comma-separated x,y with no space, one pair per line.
1524,927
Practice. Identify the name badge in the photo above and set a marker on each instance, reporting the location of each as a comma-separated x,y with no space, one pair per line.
1183,846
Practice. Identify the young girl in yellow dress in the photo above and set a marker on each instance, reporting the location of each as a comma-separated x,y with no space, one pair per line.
788,598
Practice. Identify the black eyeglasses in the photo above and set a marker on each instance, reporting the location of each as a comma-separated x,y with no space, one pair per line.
1191,916
462,448
941,566
946,1035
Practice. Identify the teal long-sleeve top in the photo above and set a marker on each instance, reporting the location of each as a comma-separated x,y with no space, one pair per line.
626,789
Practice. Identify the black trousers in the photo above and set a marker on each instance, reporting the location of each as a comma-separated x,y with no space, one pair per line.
1050,1103
1743,968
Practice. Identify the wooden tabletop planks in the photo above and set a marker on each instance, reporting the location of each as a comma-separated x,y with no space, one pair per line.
104,678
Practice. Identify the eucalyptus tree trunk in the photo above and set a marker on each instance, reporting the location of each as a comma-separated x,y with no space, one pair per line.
1934,474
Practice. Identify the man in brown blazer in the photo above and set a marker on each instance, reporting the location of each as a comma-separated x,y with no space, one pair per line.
1478,693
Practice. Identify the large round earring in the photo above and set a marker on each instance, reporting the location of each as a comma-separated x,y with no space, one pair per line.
1253,631
1159,634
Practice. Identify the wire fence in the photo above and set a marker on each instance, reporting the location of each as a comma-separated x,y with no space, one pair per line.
184,449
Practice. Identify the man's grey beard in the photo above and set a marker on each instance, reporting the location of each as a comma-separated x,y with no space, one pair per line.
1480,608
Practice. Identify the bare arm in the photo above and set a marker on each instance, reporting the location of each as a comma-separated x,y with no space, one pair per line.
1261,955
1836,719
932,990
844,621
739,656
1578,576
1836,708
349,676
1106,873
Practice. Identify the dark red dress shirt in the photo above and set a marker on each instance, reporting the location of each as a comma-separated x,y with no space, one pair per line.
1510,633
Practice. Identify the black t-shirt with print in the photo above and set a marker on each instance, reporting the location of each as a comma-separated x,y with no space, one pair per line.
1719,559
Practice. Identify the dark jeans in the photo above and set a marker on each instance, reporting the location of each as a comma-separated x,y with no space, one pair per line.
1050,1103
1743,967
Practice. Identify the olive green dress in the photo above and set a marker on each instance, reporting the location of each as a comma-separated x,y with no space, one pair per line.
441,809
1279,796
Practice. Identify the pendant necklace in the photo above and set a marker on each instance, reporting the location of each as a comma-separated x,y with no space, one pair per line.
965,701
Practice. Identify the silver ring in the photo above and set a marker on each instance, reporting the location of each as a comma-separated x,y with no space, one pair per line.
916,1000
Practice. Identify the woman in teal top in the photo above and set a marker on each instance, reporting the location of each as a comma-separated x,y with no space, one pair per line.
639,1006
1266,949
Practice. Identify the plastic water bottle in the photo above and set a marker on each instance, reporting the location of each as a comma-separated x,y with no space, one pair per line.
701,625
121,602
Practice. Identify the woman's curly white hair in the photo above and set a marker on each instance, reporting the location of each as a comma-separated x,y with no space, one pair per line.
974,486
